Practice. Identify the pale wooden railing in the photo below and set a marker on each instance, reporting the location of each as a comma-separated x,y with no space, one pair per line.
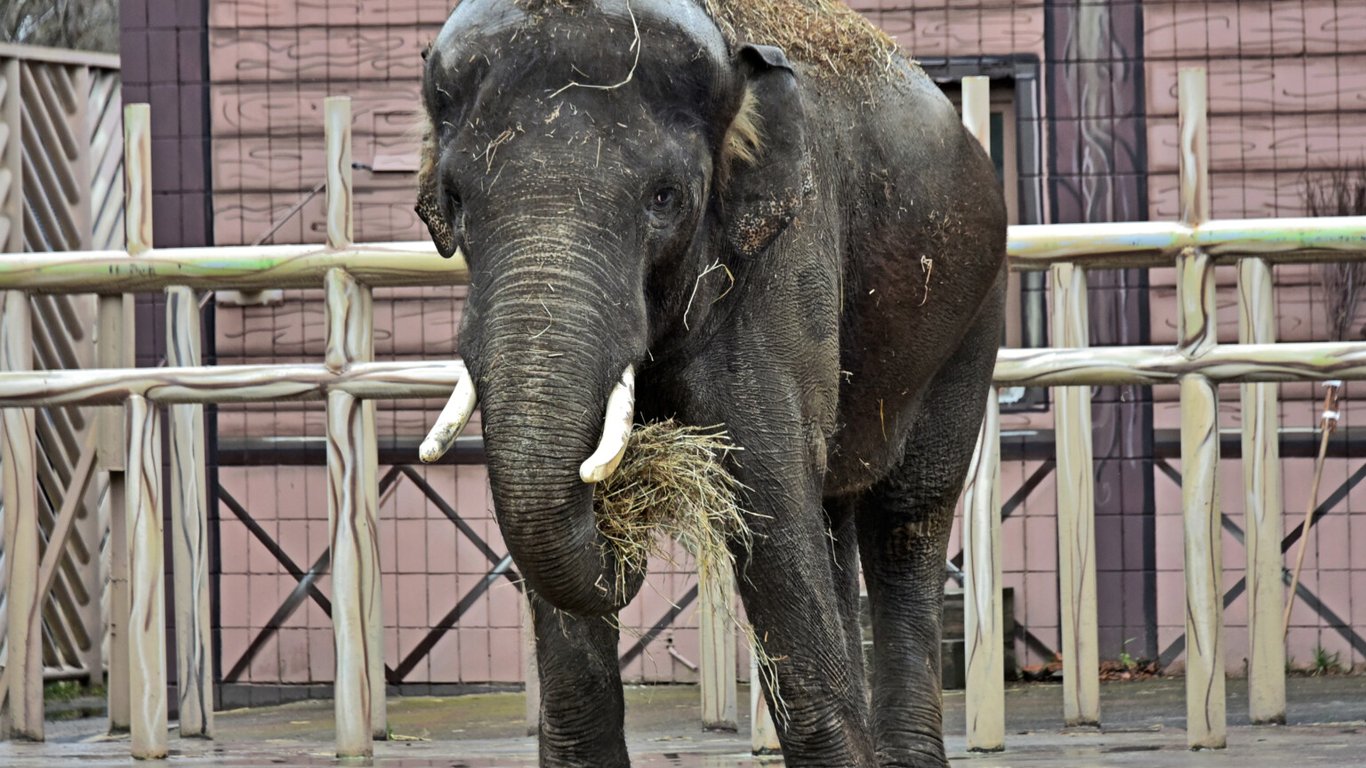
61,188
1197,363
348,378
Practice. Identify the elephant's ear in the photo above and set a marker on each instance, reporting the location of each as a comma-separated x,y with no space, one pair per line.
764,175
429,207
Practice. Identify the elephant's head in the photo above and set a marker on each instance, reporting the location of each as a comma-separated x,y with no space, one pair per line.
590,159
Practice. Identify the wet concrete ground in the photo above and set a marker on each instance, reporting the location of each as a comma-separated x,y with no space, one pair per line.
1144,727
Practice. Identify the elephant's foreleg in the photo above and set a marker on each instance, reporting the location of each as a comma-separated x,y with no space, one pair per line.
819,705
582,709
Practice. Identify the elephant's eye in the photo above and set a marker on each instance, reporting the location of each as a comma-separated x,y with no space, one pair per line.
664,205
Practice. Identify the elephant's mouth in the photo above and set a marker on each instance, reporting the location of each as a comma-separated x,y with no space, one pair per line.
616,427
661,478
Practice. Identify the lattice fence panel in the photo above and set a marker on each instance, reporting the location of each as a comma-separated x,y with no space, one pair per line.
61,188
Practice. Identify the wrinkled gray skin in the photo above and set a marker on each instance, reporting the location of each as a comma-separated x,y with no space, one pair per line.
852,371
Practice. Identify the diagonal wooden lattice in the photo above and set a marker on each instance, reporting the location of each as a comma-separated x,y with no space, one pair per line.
306,588
61,188
1330,618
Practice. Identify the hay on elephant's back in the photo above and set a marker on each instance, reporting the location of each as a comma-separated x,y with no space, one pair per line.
672,481
829,34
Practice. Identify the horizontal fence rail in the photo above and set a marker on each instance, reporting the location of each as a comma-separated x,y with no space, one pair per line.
1036,248
244,268
1057,367
230,383
349,377
1241,363
1030,247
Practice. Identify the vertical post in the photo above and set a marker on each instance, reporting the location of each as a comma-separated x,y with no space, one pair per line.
985,650
355,577
763,737
982,618
1262,504
1195,332
337,133
82,211
189,526
530,672
113,349
93,575
24,622
15,714
717,590
119,703
147,627
11,159
1206,724
1205,705
352,452
1076,511
977,109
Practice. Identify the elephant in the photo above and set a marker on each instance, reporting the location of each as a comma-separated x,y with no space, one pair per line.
751,213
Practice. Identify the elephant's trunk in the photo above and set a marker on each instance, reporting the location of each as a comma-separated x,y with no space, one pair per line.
548,361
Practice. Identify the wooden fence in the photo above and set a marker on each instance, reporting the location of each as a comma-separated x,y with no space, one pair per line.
347,379
61,188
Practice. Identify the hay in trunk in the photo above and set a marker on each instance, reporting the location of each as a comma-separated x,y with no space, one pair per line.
672,481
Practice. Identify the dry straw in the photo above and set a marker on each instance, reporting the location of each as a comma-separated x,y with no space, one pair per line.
672,483
826,33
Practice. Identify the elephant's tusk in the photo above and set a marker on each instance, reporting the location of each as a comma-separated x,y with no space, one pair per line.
616,428
452,419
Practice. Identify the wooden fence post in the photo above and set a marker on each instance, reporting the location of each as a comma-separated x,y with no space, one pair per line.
114,349
984,646
11,159
147,627
352,458
717,658
982,618
1262,504
24,622
530,670
1076,510
189,526
1206,725
763,737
